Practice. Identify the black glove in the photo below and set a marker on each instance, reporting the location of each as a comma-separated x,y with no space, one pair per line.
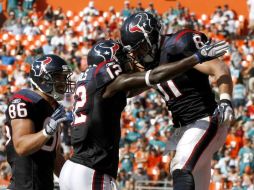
225,112
52,124
211,51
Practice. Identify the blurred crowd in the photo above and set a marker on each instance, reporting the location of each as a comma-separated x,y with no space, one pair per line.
146,123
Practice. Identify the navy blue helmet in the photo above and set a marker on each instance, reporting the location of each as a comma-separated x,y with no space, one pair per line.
140,35
108,51
51,74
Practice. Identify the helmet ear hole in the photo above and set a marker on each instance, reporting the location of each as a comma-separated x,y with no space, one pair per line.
42,85
46,77
46,85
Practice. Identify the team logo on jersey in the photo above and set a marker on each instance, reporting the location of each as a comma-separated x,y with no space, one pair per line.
39,66
107,52
141,24
16,101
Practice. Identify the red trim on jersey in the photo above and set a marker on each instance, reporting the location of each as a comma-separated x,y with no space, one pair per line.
93,184
100,65
100,178
102,182
22,97
184,32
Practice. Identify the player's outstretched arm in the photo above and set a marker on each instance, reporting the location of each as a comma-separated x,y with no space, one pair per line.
164,72
131,82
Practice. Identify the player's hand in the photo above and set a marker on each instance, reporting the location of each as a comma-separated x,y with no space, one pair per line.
211,51
225,112
56,118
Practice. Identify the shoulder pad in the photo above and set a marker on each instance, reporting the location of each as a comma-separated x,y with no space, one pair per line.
184,43
106,72
86,75
27,96
19,108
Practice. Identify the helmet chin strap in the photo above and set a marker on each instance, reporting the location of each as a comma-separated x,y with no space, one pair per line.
148,58
147,38
57,96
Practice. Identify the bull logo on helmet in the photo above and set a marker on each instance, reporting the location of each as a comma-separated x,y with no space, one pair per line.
106,52
39,66
141,24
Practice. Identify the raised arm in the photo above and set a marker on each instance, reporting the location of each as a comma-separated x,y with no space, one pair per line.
134,81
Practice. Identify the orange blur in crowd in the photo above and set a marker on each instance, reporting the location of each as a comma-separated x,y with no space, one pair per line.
197,6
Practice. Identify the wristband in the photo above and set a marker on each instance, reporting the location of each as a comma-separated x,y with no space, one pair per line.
45,133
225,96
147,78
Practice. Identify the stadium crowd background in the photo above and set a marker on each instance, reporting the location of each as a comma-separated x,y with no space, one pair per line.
146,123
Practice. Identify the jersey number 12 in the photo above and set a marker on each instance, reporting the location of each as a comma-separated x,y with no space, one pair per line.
80,102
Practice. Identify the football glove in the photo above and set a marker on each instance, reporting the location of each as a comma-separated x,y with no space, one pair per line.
53,122
225,112
211,51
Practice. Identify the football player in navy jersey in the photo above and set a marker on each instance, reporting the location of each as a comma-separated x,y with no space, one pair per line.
33,118
200,122
100,97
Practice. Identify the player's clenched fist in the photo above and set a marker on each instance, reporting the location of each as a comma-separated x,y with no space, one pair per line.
225,111
56,118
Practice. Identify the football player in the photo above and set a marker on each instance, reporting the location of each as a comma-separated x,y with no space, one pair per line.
100,97
33,118
200,122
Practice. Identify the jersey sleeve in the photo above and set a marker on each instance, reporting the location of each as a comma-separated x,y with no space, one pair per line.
184,44
106,73
19,109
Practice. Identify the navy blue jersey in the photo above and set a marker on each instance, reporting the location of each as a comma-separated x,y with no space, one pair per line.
188,96
35,171
96,127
